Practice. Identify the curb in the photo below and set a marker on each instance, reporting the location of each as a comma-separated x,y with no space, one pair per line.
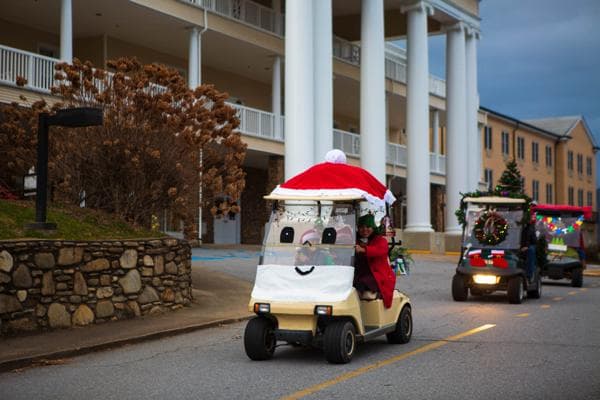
42,359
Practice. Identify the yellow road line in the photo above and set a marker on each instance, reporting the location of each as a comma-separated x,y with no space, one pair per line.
572,292
545,306
525,314
557,298
352,374
583,289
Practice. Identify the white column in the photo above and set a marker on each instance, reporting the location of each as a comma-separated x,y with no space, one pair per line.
299,89
276,95
66,31
372,89
456,136
193,58
436,144
417,120
473,147
323,89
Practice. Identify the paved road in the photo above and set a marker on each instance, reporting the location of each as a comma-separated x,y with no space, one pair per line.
542,349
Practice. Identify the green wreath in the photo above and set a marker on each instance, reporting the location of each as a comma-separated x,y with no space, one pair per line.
490,228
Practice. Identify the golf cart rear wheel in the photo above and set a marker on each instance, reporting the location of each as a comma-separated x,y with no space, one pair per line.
460,291
403,330
577,277
537,292
515,290
339,342
259,339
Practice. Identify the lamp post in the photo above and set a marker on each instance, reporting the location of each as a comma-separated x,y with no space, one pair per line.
68,117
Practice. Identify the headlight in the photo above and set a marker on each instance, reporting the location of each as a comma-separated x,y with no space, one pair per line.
485,279
323,310
262,308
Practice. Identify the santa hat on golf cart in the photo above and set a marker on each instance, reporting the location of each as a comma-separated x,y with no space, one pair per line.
335,178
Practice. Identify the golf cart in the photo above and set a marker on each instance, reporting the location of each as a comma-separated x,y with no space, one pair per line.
561,227
491,259
303,293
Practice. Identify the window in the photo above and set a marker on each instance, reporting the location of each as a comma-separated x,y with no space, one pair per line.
589,199
535,190
521,148
579,164
523,183
570,160
489,178
588,165
505,143
548,156
580,197
571,195
534,152
487,137
549,193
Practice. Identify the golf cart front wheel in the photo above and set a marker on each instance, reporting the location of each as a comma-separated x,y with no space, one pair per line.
515,290
460,291
403,330
259,339
577,277
339,342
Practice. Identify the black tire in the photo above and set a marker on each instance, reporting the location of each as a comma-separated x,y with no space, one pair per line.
515,291
460,291
537,292
404,328
259,339
339,342
577,277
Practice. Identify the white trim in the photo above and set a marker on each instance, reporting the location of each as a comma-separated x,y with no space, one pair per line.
324,194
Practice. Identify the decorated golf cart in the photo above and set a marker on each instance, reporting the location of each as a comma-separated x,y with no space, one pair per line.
561,227
491,256
303,292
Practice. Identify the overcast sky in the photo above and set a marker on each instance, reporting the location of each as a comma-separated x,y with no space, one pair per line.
537,59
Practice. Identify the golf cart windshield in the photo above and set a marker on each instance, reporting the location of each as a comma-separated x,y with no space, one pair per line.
310,233
561,230
493,226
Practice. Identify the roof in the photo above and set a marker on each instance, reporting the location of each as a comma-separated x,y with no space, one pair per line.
494,200
316,197
561,126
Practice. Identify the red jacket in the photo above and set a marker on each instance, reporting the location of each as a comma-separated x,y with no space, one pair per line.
377,258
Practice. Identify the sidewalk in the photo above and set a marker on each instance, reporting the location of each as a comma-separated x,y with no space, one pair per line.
219,298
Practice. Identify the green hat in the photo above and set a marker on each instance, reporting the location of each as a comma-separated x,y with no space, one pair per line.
367,220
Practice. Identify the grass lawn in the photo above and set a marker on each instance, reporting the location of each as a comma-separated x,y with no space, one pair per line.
73,223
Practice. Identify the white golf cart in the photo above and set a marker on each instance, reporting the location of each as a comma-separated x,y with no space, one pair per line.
303,292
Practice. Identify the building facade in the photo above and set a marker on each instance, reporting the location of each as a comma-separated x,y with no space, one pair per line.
306,76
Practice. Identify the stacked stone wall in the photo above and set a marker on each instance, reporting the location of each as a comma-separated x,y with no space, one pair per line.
59,284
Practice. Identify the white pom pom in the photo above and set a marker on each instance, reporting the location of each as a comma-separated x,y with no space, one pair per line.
335,156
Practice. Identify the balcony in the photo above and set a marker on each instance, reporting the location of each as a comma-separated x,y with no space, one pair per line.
39,72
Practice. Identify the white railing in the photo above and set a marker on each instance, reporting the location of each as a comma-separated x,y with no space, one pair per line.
396,154
258,123
37,69
251,13
437,163
395,63
348,142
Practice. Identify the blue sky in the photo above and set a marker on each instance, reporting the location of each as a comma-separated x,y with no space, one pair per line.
536,59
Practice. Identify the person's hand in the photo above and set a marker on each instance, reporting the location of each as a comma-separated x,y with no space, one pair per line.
359,249
523,248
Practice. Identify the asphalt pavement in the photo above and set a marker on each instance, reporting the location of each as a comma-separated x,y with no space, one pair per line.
222,279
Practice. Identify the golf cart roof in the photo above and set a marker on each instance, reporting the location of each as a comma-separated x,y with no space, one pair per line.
322,197
557,209
494,200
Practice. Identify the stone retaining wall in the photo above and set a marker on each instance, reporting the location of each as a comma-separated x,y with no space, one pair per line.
60,284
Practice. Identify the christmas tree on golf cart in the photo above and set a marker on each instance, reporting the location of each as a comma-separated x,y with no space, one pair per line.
511,181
